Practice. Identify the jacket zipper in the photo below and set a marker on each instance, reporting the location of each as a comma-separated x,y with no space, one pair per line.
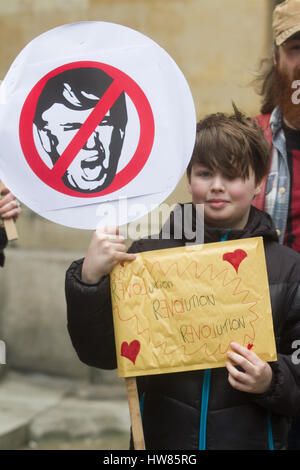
204,408
270,432
205,392
142,399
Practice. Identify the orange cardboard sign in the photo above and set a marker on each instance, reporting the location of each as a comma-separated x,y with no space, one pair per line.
178,309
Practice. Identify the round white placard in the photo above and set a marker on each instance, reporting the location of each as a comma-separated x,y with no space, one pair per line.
93,115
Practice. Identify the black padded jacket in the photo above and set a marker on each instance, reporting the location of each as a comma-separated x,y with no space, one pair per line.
174,412
3,243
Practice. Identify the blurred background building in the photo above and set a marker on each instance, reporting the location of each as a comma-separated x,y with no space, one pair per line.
218,45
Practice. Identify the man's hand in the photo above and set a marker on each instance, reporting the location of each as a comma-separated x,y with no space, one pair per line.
9,205
107,248
257,376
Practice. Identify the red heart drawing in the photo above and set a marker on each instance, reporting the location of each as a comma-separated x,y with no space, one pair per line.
250,346
235,258
130,350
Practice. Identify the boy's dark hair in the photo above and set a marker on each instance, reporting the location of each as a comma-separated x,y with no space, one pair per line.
231,144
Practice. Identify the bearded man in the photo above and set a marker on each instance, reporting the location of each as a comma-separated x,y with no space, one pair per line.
280,121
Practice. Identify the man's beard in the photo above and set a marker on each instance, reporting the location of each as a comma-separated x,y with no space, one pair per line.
283,92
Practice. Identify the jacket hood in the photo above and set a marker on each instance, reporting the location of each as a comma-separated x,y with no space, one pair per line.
259,225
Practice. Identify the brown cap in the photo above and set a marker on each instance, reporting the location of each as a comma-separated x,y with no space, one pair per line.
286,20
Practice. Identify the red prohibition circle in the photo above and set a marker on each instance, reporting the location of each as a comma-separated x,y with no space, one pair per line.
52,176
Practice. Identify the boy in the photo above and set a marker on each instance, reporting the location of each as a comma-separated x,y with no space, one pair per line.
246,407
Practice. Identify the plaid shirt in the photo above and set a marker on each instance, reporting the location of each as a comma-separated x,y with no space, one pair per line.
277,190
276,194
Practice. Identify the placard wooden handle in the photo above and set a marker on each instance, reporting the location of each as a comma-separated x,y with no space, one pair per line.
135,414
9,224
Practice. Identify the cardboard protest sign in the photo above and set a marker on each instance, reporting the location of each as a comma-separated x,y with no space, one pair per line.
178,309
93,113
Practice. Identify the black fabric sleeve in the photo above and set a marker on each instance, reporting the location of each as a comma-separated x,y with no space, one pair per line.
283,395
89,317
3,243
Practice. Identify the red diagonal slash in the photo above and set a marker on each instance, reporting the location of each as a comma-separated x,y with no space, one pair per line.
122,82
86,130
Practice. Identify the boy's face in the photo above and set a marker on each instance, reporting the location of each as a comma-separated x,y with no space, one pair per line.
226,201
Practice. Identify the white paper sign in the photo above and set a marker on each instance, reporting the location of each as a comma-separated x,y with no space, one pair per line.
92,113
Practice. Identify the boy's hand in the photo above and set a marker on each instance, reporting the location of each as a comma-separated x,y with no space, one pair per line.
107,248
257,376
9,205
